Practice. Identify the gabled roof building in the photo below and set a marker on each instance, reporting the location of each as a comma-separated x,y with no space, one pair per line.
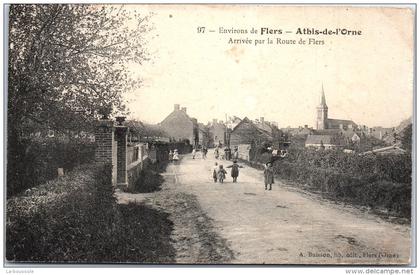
179,126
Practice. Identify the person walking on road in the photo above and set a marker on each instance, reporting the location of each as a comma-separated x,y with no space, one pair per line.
222,153
235,170
204,154
171,155
215,169
235,154
221,173
216,153
268,175
176,156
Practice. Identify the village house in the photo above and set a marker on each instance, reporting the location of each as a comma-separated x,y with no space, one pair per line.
299,131
232,122
179,126
323,141
204,135
217,132
249,132
380,132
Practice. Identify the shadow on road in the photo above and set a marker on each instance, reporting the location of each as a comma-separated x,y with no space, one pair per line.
152,233
150,178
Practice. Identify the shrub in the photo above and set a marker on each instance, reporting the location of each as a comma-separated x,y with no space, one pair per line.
40,160
378,181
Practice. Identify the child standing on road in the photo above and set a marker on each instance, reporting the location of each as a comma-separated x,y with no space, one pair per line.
175,158
215,169
235,170
221,173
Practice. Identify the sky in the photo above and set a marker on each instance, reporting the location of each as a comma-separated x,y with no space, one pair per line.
366,78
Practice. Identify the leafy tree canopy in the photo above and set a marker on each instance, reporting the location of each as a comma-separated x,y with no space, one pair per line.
69,62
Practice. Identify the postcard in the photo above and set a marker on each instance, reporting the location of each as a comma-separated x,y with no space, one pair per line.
210,134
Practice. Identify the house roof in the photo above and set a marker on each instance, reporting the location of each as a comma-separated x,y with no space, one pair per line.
298,131
327,132
318,139
177,114
261,128
264,126
349,133
336,122
202,127
385,150
325,139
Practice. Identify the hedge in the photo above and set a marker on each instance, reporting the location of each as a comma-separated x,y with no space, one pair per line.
76,219
39,160
378,181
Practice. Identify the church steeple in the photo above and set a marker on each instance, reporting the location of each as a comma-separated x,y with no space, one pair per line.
323,102
322,112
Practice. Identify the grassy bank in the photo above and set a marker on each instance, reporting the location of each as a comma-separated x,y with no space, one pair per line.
75,218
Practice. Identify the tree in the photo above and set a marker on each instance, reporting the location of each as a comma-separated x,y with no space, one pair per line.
66,62
406,139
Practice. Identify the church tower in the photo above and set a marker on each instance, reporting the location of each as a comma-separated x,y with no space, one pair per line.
322,113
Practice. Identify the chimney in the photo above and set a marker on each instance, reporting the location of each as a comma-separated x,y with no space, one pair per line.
262,120
214,121
184,109
176,107
306,126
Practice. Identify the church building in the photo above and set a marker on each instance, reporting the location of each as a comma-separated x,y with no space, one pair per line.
331,133
324,123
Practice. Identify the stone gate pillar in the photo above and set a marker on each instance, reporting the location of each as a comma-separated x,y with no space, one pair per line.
121,138
104,139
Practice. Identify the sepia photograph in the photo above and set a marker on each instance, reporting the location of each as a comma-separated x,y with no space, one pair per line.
209,134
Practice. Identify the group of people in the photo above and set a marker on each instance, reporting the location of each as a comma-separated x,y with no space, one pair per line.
220,153
219,173
173,156
203,153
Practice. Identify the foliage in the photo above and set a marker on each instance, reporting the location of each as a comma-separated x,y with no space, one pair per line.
42,159
149,179
407,137
140,131
66,62
379,181
76,218
64,58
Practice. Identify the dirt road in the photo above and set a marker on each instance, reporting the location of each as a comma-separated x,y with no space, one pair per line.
284,226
